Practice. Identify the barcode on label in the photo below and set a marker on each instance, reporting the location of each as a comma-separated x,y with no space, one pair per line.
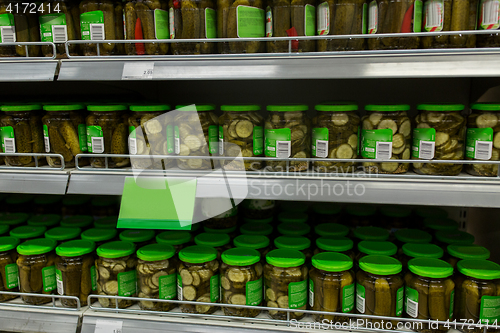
60,288
283,148
98,145
372,18
47,144
323,20
8,34
59,33
179,292
321,148
384,150
97,31
132,146
9,145
426,150
177,145
433,14
360,304
490,12
412,308
483,150
221,147
311,298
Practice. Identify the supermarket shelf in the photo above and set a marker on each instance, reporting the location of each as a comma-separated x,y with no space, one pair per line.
39,181
28,70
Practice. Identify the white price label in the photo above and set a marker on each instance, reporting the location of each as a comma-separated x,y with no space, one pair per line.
140,70
108,326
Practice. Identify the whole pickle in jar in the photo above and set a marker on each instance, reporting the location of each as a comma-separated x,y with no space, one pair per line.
89,9
52,10
8,267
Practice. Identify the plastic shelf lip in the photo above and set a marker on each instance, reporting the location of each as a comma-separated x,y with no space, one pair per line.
45,182
28,70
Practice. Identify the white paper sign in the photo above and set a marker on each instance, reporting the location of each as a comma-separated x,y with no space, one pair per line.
139,70
108,326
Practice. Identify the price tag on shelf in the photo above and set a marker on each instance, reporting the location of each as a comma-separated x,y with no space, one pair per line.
108,326
138,70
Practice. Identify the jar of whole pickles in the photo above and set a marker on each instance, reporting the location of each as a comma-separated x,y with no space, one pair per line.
198,279
404,236
220,242
241,134
63,234
285,281
255,242
424,212
109,222
482,131
445,238
292,217
258,209
116,273
28,232
361,215
342,245
75,204
83,222
231,232
262,229
332,286
14,220
439,135
241,281
394,217
19,203
99,236
21,132
37,273
227,219
45,220
107,131
138,237
297,243
176,238
157,276
326,212
386,133
103,205
65,133
331,230
75,271
20,26
381,248
294,206
294,229
435,224
457,252
335,128
48,204
371,234
379,287
487,19
8,266
196,133
287,135
418,250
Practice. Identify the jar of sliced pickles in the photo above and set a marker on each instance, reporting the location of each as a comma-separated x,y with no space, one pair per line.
287,134
109,222
342,245
457,252
99,236
371,234
335,130
220,242
361,215
75,204
45,220
262,229
227,219
258,209
394,217
137,236
294,229
104,205
331,230
231,232
435,224
445,238
63,234
177,238
298,243
255,242
326,212
439,135
381,248
83,222
48,204
424,212
27,232
403,236
418,250
8,267
386,133
19,203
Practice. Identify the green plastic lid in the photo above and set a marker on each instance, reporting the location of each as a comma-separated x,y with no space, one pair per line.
36,246
199,107
28,231
108,222
8,243
334,244
99,235
371,233
455,237
441,107
17,199
247,220
418,250
380,265
173,237
156,252
63,107
294,206
287,107
361,209
262,229
137,235
440,224
220,231
47,199
468,251
63,233
285,258
298,243
21,107
75,248
387,107
412,236
479,269
294,229
195,227
331,229
292,217
4,228
107,107
103,201
242,107
13,218
240,256
486,106
46,220
429,211
251,241
197,254
80,221
340,106
395,211
211,239
116,249
382,248
332,262
432,268
326,208
75,200
150,107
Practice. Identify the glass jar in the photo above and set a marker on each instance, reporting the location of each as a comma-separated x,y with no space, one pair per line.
75,204
326,212
13,220
255,242
24,25
335,128
21,127
292,217
386,134
197,134
20,203
37,273
331,286
331,229
371,234
83,222
361,215
99,236
381,248
63,234
435,224
445,238
220,242
297,243
285,274
231,232
487,13
107,132
440,134
256,209
198,279
75,271
137,236
457,252
482,131
379,287
260,229
234,142
157,276
293,206
286,19
342,245
394,217
418,250
404,236
48,204
116,266
424,212
294,229
8,267
227,219
270,221
241,281
28,232
109,222
287,134
46,220
104,205
177,238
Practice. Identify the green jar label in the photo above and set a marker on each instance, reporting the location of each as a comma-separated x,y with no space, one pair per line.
93,278
254,292
424,143
49,278
127,283
373,17
161,24
82,137
411,303
214,288
11,276
53,28
376,143
360,298
59,282
490,309
310,20
479,144
221,141
400,301
46,139
278,142
171,22
7,28
417,16
348,298
167,286
269,22
364,23
170,139
297,294
8,139
92,25
311,293
213,139
489,15
179,287
95,139
323,19
210,23
433,15
250,22
320,142
258,140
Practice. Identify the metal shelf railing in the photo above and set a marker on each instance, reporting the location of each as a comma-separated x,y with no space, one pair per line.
37,165
26,49
54,304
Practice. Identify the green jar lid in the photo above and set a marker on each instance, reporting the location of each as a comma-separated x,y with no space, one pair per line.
429,211
240,256
485,106
99,235
63,233
107,107
287,107
387,107
75,200
28,231
45,220
331,229
173,237
468,251
294,206
292,217
395,211
17,199
431,268
156,252
195,227
75,248
150,107
361,209
199,107
108,222
439,224
242,107
441,107
36,246
103,201
339,107
247,220
251,241
220,231
382,248
47,199
80,221
197,254
334,244
412,236
455,237
4,228
298,243
326,208
262,229
21,107
285,258
137,235
63,107
371,233
116,249
294,229
479,269
211,239
8,243
419,250
14,218
332,262
380,265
